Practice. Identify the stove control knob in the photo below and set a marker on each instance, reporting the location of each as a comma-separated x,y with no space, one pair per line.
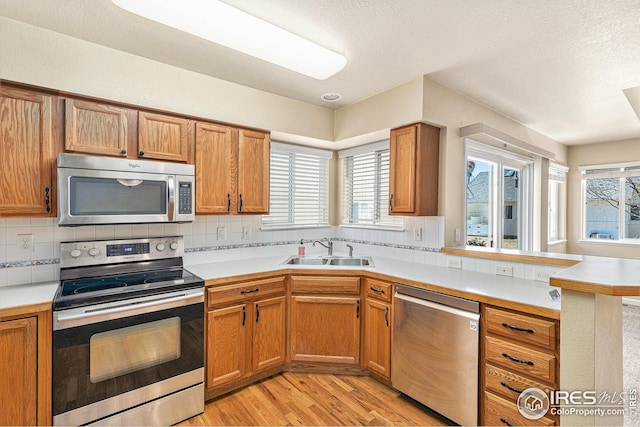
75,253
160,247
94,251
173,246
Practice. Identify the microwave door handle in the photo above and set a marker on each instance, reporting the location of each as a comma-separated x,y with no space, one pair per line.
172,198
130,182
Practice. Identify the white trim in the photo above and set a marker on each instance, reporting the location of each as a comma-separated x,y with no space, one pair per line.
626,165
481,130
374,227
281,147
622,242
558,167
292,227
475,148
631,301
364,149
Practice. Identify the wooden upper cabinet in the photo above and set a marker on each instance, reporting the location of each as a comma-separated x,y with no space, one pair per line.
27,155
215,155
254,149
163,137
232,170
18,370
413,170
95,128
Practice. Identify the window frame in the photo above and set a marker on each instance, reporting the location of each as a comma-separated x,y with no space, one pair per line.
557,180
379,149
293,153
619,172
503,158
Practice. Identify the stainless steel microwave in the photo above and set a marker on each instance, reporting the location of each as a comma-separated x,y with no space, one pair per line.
101,190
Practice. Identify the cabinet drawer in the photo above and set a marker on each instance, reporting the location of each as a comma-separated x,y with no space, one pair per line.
526,329
239,292
499,412
520,359
325,285
508,384
378,289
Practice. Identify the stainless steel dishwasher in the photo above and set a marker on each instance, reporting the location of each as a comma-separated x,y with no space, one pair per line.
435,351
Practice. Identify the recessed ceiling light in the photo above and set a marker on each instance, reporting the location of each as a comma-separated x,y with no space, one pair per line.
331,97
220,23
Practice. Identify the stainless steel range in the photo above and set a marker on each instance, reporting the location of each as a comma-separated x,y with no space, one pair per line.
128,334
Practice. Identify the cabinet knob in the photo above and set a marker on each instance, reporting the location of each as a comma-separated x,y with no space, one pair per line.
123,152
141,153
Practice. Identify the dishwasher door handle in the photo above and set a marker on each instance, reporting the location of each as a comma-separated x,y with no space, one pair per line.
436,306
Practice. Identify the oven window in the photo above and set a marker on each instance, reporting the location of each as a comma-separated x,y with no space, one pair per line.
126,350
108,196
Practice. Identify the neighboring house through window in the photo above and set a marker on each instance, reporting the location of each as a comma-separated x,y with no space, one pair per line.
498,197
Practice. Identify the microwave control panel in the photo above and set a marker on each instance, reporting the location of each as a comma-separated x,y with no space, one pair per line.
185,198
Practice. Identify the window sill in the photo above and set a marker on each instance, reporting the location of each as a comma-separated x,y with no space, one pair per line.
373,227
556,242
627,242
294,227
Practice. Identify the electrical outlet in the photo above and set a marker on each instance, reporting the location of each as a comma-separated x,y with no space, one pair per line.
454,263
25,243
541,276
222,233
504,270
457,234
246,233
417,234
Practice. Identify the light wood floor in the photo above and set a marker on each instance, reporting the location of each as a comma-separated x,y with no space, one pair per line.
296,399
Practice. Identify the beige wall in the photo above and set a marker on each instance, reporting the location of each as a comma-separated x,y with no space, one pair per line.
44,58
587,155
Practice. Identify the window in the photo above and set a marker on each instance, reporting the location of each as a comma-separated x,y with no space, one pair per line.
498,207
557,202
605,189
299,189
366,186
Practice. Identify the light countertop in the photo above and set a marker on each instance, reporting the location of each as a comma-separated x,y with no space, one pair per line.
482,287
29,297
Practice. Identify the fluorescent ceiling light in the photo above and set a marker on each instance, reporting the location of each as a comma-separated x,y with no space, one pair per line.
220,23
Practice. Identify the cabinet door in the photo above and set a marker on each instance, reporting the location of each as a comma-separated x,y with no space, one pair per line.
269,333
95,128
325,329
377,337
226,345
18,370
163,137
26,154
253,172
215,167
402,170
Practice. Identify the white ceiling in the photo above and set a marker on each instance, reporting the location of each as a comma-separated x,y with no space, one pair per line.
557,66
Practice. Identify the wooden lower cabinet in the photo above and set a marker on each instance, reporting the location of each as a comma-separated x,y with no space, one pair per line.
377,327
18,382
325,329
520,351
246,331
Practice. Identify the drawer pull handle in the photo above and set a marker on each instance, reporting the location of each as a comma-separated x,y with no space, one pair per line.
505,385
376,290
515,328
521,361
249,291
505,422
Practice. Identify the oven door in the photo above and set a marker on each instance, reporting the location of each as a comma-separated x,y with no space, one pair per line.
110,358
112,197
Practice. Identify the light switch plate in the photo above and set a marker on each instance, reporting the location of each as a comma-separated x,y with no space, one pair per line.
246,232
222,233
417,234
454,263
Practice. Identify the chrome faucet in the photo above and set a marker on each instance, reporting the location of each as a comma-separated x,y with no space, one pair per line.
329,245
350,251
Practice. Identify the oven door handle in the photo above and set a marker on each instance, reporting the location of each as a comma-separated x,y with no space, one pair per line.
88,315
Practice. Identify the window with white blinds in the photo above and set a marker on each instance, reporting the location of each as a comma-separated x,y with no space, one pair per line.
299,192
366,186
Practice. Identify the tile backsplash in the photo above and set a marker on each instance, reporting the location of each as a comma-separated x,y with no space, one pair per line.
203,245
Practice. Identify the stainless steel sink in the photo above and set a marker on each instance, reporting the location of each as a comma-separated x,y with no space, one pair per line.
329,261
351,261
295,260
